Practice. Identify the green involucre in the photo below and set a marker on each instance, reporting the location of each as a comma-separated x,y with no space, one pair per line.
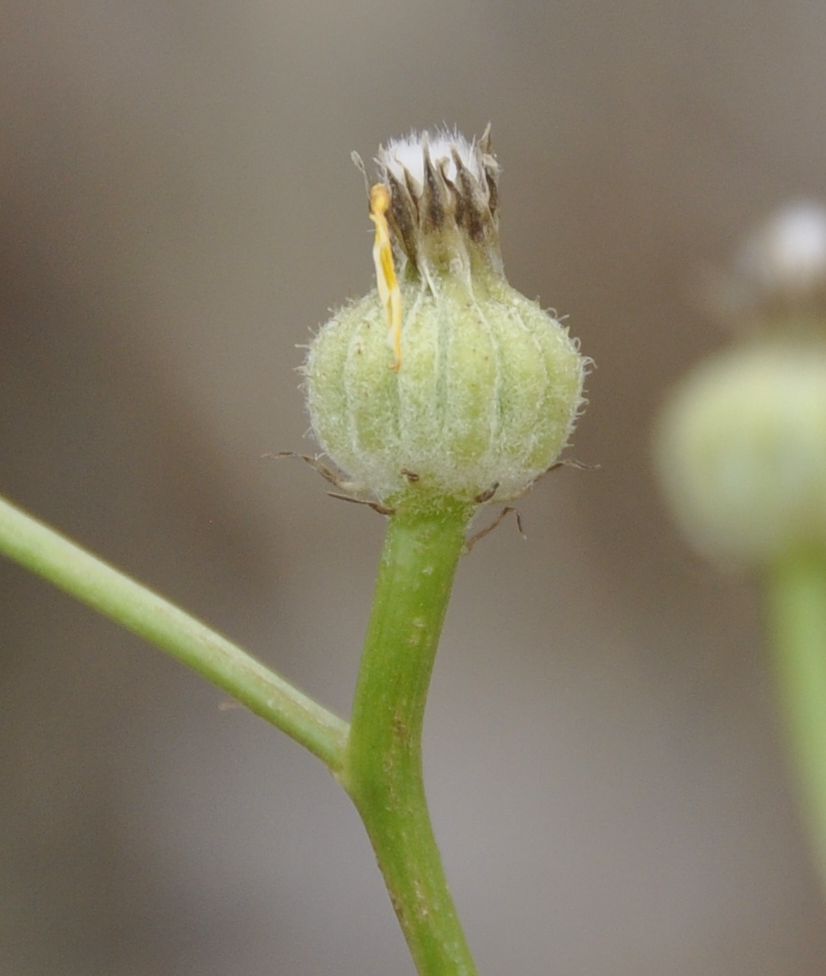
488,391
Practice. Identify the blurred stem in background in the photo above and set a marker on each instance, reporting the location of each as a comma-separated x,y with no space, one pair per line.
796,601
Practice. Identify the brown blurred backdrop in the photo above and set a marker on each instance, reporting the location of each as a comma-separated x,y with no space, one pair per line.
178,213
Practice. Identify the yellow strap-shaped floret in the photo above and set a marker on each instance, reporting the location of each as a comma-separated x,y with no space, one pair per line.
386,280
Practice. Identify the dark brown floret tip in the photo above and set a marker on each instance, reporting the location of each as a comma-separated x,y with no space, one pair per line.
440,184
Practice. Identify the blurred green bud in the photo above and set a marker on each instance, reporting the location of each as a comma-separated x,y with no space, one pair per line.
444,382
741,451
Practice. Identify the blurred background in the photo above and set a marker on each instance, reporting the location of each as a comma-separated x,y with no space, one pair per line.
179,213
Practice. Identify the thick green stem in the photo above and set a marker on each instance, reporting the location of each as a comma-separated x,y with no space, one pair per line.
48,554
383,766
797,601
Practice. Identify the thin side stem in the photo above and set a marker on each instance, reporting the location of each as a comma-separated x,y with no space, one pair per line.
797,603
383,768
77,572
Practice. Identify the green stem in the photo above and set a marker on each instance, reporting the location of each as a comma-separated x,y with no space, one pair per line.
383,767
797,602
48,554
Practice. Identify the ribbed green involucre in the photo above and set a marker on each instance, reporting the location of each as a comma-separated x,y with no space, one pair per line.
488,391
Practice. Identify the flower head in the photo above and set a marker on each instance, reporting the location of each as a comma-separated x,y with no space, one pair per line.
443,382
741,444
